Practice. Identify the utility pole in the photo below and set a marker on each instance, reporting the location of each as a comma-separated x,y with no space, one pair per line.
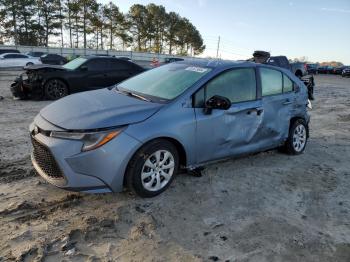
217,50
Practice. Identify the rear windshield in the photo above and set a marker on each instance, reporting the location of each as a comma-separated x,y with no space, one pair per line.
165,82
74,64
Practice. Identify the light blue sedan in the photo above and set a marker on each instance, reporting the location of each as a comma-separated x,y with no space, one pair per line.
185,114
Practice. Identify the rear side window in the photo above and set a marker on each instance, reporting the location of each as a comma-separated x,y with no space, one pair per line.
15,56
287,84
97,65
271,82
238,85
119,65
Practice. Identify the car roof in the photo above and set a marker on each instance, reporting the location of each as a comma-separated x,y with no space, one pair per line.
11,54
222,64
214,63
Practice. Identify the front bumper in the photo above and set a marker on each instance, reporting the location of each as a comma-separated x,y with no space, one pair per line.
96,171
24,89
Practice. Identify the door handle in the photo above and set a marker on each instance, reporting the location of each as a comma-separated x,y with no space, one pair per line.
287,102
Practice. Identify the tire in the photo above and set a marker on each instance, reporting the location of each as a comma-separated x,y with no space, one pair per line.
297,138
142,176
55,89
29,64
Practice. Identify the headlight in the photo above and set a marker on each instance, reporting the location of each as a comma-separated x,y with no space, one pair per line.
90,140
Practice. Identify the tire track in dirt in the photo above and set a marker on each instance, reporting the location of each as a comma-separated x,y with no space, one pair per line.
25,211
16,170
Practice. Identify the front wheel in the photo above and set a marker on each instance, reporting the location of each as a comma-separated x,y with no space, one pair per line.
297,139
55,89
152,169
29,64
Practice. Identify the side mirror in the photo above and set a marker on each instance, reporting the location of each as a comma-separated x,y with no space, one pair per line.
217,102
83,68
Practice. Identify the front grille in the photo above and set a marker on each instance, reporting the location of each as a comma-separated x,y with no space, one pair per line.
45,160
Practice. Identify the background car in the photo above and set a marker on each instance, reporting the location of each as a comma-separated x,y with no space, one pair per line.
311,69
339,70
346,72
80,74
125,58
17,60
325,69
168,60
53,59
3,51
299,69
35,53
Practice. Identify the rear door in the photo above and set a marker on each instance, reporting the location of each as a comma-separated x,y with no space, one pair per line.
224,133
120,70
16,60
9,60
90,75
278,99
97,76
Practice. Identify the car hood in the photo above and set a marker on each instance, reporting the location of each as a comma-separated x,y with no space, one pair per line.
97,109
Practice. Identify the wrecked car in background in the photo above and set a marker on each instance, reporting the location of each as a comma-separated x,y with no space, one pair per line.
81,74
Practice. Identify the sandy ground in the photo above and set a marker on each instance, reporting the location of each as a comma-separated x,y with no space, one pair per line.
265,207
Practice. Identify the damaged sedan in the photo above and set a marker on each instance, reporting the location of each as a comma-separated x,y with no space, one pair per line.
81,74
181,115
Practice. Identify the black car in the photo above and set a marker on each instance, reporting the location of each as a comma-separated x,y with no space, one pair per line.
81,74
346,72
35,53
53,59
339,70
168,60
4,51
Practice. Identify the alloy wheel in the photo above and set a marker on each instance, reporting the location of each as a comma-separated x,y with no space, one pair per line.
157,170
56,89
299,138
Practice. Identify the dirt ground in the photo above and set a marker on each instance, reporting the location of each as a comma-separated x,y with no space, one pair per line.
265,207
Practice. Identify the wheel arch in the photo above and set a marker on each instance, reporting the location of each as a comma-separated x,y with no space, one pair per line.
298,73
58,78
179,147
295,118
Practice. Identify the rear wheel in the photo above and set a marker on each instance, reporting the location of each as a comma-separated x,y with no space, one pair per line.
29,64
297,139
152,169
55,89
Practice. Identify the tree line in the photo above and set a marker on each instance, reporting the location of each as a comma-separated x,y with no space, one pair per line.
89,24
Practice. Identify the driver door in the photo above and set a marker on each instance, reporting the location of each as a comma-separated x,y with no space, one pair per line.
223,133
93,74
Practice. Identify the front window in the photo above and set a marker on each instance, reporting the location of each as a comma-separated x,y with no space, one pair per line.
238,85
74,64
165,82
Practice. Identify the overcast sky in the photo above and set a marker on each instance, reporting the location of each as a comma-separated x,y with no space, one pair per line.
317,29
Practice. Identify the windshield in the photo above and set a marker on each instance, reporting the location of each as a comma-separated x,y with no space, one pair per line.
74,64
165,82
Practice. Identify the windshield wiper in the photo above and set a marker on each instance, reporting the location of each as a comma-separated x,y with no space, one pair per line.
134,95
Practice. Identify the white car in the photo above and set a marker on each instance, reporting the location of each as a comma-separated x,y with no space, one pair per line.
17,60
